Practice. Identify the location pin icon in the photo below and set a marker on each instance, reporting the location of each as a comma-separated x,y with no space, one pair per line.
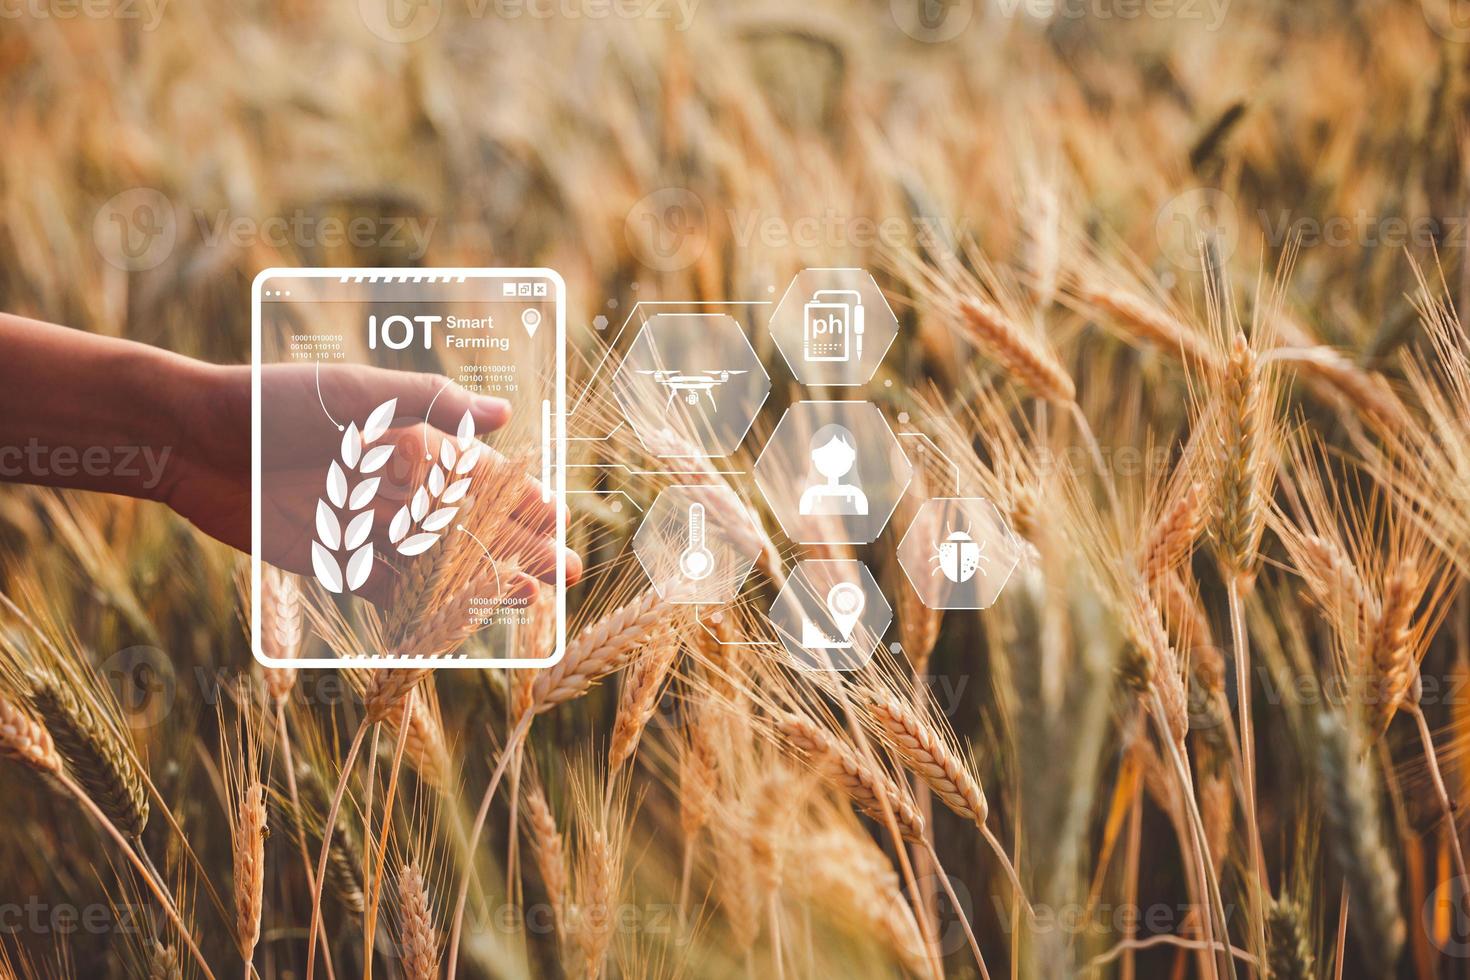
530,319
845,604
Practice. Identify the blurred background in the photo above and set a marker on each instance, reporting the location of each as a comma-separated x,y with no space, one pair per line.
156,154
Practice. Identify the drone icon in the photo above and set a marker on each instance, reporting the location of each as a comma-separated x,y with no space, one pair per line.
691,384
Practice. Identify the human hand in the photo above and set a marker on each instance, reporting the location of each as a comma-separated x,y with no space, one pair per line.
211,483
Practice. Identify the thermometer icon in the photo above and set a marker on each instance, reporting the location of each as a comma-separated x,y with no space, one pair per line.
696,562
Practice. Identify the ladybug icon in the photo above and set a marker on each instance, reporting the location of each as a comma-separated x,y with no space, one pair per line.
959,557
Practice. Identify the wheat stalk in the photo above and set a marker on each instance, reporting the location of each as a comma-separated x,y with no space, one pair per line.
1150,322
281,628
387,690
247,836
769,820
1356,842
603,647
1389,652
425,745
928,755
870,790
1240,461
549,850
1174,534
94,753
25,740
597,874
642,684
1289,953
846,873
420,947
1003,340
344,877
163,963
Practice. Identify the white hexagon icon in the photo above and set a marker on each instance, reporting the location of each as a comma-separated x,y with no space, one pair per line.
697,544
958,553
833,472
691,384
833,326
830,614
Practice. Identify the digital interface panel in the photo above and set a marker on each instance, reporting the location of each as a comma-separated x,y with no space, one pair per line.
424,502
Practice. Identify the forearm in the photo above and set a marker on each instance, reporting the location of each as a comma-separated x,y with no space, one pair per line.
88,412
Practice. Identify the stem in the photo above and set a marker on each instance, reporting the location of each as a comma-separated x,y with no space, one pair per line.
1010,870
370,917
1432,759
321,863
1095,450
289,763
158,890
775,929
512,853
931,940
1342,917
684,881
959,911
1135,834
925,802
1197,844
1240,640
1236,953
512,746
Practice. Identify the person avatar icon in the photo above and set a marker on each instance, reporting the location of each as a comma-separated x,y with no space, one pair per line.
834,451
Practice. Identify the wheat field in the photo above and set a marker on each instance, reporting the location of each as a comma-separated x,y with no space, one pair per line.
1179,289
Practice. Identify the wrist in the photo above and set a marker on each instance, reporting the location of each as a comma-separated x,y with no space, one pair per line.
208,408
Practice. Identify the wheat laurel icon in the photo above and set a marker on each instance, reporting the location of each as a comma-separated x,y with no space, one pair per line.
433,505
342,557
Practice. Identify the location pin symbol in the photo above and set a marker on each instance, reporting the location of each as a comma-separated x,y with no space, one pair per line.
530,319
845,604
